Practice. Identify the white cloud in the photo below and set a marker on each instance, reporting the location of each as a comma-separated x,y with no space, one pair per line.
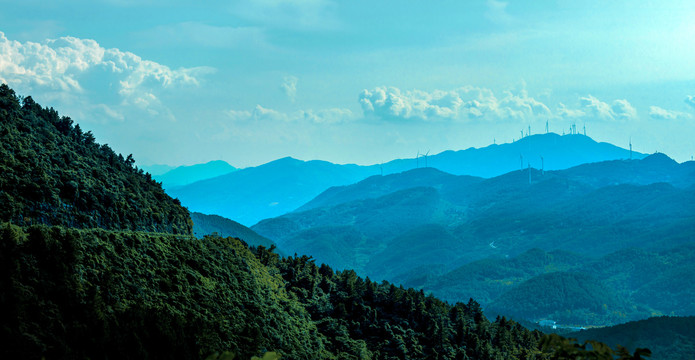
618,110
58,64
565,113
468,102
623,110
289,86
690,100
656,112
323,116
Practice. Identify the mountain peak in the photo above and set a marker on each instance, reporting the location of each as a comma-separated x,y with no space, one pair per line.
659,159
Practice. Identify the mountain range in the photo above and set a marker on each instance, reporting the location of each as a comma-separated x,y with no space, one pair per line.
96,261
278,187
184,175
419,226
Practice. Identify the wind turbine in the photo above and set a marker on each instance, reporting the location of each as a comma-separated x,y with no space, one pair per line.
428,152
417,159
542,165
546,126
630,147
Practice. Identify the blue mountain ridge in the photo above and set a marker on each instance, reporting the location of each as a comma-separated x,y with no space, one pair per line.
281,186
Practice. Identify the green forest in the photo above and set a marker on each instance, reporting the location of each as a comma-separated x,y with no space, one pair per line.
96,261
55,173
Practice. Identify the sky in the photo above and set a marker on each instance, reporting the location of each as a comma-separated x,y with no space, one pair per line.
250,81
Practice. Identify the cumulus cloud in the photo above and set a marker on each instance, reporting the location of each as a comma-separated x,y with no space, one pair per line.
690,100
566,113
656,112
323,116
623,110
289,86
58,64
618,110
390,103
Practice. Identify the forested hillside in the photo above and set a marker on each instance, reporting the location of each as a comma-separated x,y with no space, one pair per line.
669,338
96,293
95,285
55,173
470,219
217,225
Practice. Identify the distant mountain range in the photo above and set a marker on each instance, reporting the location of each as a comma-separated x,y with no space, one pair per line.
419,226
99,262
184,175
548,151
253,194
157,169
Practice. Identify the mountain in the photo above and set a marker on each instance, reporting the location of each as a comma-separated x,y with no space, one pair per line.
646,282
184,175
287,184
55,173
502,215
213,224
376,186
80,279
252,194
487,279
568,297
463,236
652,169
557,152
157,169
668,338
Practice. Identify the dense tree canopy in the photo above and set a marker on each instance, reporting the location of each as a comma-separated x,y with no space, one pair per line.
97,262
55,173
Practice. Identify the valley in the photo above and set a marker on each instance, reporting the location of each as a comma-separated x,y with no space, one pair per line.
99,260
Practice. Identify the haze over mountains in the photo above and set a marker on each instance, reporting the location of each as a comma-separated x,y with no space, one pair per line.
99,262
419,226
423,226
253,194
183,175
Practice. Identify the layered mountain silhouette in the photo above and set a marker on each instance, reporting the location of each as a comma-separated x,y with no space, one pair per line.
184,175
253,194
97,261
419,226
549,151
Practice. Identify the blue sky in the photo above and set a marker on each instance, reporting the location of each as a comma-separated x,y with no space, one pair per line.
182,82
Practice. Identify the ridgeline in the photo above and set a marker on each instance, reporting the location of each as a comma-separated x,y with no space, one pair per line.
97,262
